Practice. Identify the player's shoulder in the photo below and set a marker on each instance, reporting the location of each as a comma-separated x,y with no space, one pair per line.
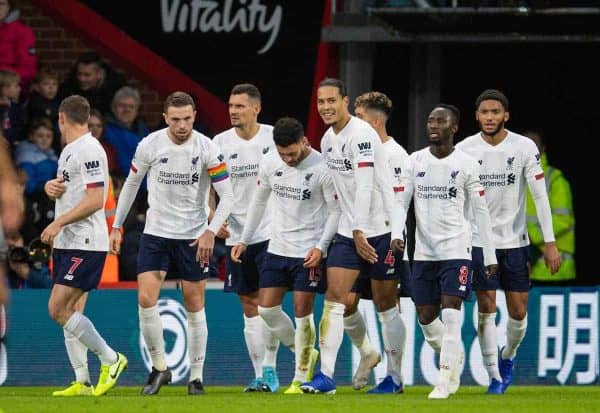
85,146
469,142
361,129
219,138
271,160
394,149
523,143
419,155
153,138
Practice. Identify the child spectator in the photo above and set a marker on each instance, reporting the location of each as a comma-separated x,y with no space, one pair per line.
43,101
11,114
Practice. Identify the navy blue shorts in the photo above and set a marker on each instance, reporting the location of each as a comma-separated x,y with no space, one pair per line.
278,271
343,254
512,275
78,268
363,283
174,256
243,278
432,279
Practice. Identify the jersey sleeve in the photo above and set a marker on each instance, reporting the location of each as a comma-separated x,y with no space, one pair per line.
90,167
333,211
140,165
536,182
258,204
219,177
362,149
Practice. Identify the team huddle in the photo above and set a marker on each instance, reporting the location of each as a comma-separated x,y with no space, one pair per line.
294,218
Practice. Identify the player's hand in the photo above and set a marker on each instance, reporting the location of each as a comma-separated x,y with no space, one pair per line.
205,245
50,232
552,257
313,258
363,248
224,232
237,251
114,241
55,188
398,246
491,270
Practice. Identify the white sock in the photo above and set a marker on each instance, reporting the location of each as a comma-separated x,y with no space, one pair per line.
433,333
279,323
271,345
354,326
488,341
254,342
331,333
77,352
451,343
196,338
515,331
81,327
304,342
393,332
152,330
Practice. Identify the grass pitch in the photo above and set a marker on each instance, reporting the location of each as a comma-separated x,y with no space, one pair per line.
173,399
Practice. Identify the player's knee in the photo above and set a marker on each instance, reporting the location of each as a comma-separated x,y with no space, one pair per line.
517,313
486,304
385,303
146,300
302,309
57,313
426,317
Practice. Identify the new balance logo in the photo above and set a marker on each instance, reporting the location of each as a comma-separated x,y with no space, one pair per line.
452,192
163,160
220,158
92,164
510,179
306,194
329,149
278,173
233,156
363,146
69,277
537,157
421,174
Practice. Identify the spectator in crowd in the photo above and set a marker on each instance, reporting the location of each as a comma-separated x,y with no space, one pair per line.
25,271
11,113
563,222
17,45
93,79
43,101
124,130
96,127
37,163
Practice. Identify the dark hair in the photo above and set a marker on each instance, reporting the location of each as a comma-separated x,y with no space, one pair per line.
374,101
90,57
247,88
454,111
330,81
38,123
287,131
46,73
178,100
492,94
76,108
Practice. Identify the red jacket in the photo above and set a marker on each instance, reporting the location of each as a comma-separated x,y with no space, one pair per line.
17,48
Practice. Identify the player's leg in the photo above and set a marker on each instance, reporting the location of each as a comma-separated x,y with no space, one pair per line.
77,352
76,272
516,283
355,327
426,296
485,289
393,332
197,336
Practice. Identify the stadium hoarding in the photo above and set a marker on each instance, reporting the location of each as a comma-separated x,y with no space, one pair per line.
561,345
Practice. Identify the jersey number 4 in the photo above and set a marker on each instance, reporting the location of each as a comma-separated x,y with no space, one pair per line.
390,259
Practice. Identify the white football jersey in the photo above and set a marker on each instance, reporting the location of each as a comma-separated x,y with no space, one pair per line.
243,158
504,172
82,164
355,150
440,189
179,179
299,195
398,160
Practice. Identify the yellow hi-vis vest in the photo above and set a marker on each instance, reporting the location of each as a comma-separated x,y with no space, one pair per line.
563,222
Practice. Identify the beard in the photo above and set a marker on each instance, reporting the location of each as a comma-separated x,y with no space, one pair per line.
498,129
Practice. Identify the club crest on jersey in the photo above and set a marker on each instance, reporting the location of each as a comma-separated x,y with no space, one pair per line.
265,150
195,163
509,163
307,178
453,176
537,157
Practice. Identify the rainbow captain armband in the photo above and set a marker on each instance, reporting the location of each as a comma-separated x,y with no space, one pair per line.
218,173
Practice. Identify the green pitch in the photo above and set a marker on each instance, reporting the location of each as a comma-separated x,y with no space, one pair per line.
172,399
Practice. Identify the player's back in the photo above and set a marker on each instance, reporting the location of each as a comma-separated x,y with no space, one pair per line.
178,183
355,147
82,165
243,158
440,194
504,171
